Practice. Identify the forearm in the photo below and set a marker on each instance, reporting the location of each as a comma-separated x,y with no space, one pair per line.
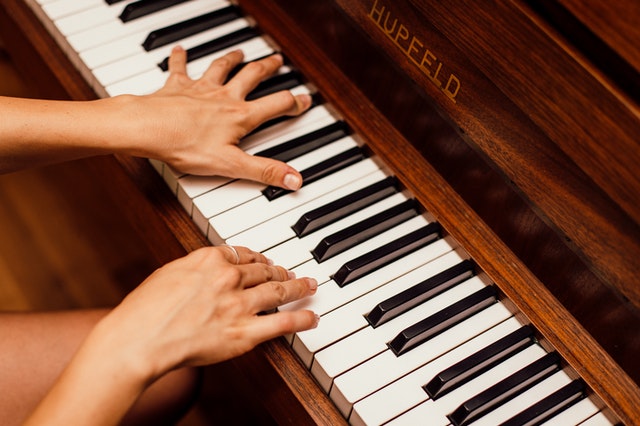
98,387
38,132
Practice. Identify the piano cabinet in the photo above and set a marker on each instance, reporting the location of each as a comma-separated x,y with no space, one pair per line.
481,145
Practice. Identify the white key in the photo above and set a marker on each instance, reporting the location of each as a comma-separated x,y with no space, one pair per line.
385,368
171,177
153,79
282,131
278,229
400,395
368,342
331,296
436,411
157,165
137,64
349,318
61,8
298,250
575,414
256,48
524,400
599,419
260,209
191,187
89,18
238,192
323,271
115,40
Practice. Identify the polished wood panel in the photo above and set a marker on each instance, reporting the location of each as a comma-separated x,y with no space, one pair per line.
512,168
406,130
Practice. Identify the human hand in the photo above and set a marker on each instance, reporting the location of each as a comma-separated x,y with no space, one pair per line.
204,308
201,309
200,122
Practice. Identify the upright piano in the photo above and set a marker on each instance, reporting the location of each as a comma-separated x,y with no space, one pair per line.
472,185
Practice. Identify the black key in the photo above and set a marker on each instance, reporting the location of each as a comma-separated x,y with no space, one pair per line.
172,33
320,170
304,144
386,254
275,84
216,45
481,361
435,324
350,236
113,1
550,406
142,8
505,390
343,207
419,293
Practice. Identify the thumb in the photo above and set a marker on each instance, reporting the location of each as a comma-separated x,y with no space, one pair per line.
267,171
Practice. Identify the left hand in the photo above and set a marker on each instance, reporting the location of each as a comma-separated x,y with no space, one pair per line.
200,122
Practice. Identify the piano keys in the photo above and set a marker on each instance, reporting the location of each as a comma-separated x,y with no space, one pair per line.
452,324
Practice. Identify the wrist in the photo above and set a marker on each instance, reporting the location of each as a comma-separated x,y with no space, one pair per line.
129,352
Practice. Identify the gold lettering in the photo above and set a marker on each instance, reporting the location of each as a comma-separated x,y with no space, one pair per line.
415,46
385,25
403,33
375,11
447,88
434,76
415,50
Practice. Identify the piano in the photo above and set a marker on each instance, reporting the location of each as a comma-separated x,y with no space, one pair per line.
471,204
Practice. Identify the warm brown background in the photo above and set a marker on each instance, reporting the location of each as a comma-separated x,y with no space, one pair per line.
64,243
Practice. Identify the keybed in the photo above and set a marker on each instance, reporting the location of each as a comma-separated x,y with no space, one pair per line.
449,350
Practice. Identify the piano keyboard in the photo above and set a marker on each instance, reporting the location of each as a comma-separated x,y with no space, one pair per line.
411,332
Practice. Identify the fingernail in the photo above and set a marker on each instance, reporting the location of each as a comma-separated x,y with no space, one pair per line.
305,100
312,283
292,182
315,324
178,48
291,275
270,262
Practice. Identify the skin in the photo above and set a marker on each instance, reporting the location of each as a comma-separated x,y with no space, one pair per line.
192,125
105,366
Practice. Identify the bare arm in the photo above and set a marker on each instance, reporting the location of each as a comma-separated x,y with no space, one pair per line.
201,309
192,125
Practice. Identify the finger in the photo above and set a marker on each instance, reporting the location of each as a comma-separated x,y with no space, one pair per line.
178,61
276,105
266,327
270,295
252,74
253,274
265,170
219,69
242,255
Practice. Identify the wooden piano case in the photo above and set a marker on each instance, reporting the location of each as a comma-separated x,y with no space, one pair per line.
510,132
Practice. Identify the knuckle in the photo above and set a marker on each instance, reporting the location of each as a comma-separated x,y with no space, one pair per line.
287,323
269,173
288,100
223,62
279,292
232,275
256,67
